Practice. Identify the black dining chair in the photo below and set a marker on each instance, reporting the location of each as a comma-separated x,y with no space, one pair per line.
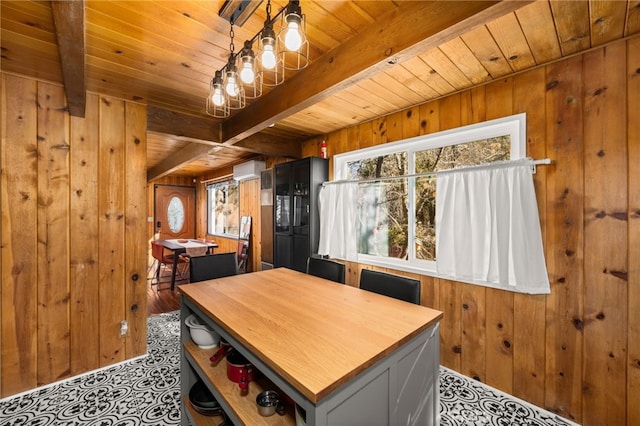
212,266
396,286
325,268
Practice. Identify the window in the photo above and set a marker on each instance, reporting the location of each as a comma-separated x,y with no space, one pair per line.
223,207
396,213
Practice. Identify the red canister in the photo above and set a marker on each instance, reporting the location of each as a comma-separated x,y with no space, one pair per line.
239,369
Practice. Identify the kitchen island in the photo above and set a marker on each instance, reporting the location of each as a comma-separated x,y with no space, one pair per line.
344,355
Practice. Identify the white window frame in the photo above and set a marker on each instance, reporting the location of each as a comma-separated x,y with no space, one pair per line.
515,126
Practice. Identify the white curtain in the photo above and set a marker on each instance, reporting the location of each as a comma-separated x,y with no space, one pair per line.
487,228
337,204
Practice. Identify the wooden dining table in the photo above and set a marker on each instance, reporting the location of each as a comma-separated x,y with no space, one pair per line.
180,246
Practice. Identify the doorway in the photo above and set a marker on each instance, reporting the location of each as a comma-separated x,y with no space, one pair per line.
174,211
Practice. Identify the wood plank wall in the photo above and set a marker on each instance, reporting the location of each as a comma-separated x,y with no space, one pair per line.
576,351
73,211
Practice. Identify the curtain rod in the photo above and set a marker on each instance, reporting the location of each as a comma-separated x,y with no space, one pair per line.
488,165
218,179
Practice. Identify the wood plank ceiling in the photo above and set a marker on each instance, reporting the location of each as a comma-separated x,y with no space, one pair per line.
368,58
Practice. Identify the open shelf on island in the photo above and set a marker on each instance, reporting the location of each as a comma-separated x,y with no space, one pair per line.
243,405
200,419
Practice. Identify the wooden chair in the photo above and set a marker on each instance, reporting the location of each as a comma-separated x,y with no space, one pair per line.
396,286
212,266
325,268
162,259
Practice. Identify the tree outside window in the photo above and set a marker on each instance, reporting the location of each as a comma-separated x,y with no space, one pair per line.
223,209
443,158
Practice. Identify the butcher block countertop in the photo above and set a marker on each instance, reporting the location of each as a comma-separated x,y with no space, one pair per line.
315,333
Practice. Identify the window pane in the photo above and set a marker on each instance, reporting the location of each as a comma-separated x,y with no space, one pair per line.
219,209
382,227
425,232
464,154
223,205
385,207
382,219
448,157
382,166
233,209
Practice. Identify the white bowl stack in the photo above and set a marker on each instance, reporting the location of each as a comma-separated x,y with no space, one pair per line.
201,334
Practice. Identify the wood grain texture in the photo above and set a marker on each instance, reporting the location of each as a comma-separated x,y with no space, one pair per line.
512,42
83,250
473,299
529,311
608,21
250,206
70,35
19,186
314,355
111,210
135,294
473,342
633,141
499,303
53,235
565,236
605,235
59,278
572,25
537,24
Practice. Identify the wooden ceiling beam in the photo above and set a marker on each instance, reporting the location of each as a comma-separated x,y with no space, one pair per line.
258,144
408,30
270,145
174,123
205,131
178,159
69,21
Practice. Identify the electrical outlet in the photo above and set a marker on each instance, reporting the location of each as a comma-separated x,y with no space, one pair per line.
124,328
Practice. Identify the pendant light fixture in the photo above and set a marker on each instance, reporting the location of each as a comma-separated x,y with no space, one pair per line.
245,73
217,104
251,79
293,19
232,84
294,46
271,66
247,59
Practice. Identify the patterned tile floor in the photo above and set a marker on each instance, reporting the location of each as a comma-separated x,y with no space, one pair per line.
146,391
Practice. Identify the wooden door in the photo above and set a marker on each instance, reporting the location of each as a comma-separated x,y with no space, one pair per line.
175,208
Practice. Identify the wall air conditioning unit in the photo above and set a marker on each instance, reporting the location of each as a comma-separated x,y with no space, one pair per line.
249,170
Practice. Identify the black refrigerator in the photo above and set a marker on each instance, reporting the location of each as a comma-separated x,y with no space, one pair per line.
296,221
